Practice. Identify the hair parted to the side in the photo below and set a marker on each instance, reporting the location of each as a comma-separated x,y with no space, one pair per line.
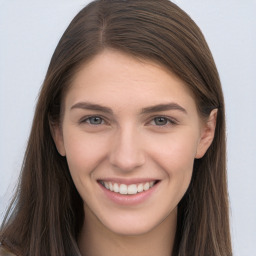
47,212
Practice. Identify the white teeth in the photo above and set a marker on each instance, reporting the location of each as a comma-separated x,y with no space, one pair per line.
132,189
123,189
146,186
106,184
128,189
116,188
140,187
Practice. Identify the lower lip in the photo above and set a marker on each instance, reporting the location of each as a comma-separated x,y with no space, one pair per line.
129,199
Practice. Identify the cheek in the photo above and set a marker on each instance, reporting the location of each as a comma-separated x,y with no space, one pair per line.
175,156
177,151
84,153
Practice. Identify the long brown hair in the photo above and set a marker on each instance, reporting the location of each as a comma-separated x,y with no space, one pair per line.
46,215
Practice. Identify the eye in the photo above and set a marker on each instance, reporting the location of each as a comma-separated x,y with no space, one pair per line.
162,121
94,120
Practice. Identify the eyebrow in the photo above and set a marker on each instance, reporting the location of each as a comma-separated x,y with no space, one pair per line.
92,106
163,107
147,110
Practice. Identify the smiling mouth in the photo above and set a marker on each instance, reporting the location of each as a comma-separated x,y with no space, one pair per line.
124,189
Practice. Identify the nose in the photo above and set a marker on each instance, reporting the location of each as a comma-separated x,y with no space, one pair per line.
127,152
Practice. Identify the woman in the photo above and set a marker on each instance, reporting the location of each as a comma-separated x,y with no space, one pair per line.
127,149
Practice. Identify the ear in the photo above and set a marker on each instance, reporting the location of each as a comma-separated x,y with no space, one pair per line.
207,134
57,136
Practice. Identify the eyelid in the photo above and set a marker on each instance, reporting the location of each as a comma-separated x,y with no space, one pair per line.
171,120
85,118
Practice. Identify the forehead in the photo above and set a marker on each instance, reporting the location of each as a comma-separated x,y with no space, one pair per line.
112,77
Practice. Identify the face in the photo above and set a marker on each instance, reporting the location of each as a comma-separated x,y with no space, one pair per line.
130,133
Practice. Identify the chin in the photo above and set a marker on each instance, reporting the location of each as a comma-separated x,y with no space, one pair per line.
132,225
130,230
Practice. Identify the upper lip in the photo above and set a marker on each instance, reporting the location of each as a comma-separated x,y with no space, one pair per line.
128,181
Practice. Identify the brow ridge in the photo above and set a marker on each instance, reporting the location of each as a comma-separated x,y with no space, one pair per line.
163,107
146,110
92,106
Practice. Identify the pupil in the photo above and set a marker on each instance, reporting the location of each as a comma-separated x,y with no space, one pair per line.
160,121
95,120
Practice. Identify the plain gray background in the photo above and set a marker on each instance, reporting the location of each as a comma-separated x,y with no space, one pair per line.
29,32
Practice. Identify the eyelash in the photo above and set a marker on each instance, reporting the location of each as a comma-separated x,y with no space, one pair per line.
168,121
88,118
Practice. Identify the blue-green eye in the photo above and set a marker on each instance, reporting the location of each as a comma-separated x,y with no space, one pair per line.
161,121
94,120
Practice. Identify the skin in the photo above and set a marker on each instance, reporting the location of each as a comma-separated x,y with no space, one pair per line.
130,143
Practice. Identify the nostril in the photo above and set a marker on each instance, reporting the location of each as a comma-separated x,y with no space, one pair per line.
127,160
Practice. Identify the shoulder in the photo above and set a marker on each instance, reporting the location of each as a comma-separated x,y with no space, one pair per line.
3,252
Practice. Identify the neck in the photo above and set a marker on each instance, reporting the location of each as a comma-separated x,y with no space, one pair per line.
97,240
